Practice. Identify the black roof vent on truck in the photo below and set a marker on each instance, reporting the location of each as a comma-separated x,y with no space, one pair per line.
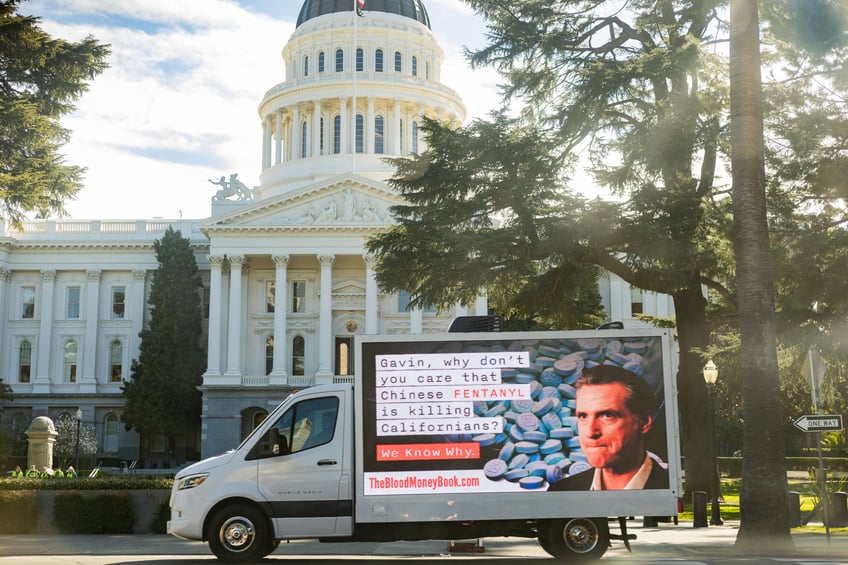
469,324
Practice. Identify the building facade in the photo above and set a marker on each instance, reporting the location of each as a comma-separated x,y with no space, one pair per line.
287,284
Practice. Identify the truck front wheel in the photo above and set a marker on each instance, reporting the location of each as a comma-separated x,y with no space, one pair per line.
575,540
239,534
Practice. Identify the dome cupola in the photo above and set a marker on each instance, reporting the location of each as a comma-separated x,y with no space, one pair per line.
413,9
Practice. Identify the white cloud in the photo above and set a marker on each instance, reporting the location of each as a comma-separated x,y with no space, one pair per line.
179,103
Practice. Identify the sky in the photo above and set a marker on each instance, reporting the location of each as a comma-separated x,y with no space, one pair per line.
178,105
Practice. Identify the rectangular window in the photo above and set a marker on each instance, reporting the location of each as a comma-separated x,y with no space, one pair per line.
298,296
116,361
73,300
24,361
636,300
119,299
404,299
270,296
28,302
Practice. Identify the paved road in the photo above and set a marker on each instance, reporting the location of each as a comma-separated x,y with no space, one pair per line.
665,544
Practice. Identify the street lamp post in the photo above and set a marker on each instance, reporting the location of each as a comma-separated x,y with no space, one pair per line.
710,377
79,421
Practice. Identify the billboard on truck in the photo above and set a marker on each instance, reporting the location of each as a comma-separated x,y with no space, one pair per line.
516,418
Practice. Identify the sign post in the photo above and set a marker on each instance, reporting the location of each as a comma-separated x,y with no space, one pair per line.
813,370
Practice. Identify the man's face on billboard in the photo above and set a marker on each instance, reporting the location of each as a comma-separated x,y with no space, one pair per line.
611,435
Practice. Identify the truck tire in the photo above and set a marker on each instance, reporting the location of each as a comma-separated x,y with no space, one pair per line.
239,533
575,540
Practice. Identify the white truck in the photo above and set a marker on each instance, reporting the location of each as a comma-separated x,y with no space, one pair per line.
451,436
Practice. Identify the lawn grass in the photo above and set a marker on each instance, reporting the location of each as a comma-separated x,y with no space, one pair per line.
808,494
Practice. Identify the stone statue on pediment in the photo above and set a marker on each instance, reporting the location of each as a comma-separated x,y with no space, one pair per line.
230,188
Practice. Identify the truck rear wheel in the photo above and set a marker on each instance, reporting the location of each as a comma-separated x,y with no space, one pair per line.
239,534
575,540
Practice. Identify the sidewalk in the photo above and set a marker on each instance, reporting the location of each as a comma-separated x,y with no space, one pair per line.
665,541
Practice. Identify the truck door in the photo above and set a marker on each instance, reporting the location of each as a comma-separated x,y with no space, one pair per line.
303,481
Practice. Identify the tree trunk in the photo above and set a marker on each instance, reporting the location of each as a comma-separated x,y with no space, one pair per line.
693,335
764,498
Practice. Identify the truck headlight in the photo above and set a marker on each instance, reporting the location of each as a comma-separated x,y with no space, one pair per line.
191,481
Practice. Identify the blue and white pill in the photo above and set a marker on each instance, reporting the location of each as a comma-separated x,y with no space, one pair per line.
519,461
542,407
524,377
578,467
549,378
555,458
535,436
536,389
510,415
531,483
496,410
537,468
550,446
523,405
567,391
515,433
572,442
553,473
495,469
507,451
516,474
526,447
561,433
551,421
634,368
617,358
577,456
485,440
480,407
527,421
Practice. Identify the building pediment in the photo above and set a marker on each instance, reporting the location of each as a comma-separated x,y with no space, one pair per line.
344,203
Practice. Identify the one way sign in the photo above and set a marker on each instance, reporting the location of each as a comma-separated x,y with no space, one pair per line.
819,423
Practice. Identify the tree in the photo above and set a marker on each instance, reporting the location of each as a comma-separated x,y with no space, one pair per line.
40,79
764,504
65,449
162,397
640,96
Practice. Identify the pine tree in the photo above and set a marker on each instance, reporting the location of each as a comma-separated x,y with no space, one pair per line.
40,79
162,397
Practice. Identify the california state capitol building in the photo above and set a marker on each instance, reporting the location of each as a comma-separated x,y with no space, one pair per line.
287,283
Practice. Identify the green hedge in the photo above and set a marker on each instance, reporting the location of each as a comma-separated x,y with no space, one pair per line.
107,513
116,482
19,514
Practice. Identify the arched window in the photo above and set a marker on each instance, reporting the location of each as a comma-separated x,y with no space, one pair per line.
303,139
258,417
71,361
360,59
415,137
337,134
306,66
339,60
378,60
359,133
298,355
24,361
378,134
269,354
321,62
111,430
398,62
116,361
414,66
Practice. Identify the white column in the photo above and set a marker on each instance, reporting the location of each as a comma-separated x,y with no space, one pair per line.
416,321
395,136
234,329
213,356
266,144
371,319
5,277
481,305
295,136
278,153
137,310
368,142
281,303
92,321
316,131
343,126
325,321
619,299
42,379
